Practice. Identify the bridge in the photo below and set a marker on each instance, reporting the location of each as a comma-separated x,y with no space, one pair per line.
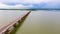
10,20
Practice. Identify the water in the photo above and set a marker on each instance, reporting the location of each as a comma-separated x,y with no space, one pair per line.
37,22
41,22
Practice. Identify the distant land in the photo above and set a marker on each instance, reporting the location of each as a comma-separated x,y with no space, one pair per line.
29,9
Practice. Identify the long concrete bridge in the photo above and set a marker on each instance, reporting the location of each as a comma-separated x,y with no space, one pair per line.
10,19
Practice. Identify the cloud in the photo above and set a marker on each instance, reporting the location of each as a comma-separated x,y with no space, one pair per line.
26,4
24,1
53,4
14,4
20,6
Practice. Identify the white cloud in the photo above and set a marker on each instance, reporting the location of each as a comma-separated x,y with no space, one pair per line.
34,1
19,3
25,1
20,6
54,4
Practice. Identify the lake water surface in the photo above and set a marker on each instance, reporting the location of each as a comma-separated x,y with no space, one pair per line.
38,22
41,22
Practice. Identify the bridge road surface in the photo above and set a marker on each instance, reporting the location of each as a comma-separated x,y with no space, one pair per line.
7,16
41,22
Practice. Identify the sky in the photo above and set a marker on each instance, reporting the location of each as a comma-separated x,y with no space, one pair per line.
29,4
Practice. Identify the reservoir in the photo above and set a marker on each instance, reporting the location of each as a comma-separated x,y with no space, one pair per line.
37,22
41,22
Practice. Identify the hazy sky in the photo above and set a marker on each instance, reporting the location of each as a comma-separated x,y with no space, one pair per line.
27,4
